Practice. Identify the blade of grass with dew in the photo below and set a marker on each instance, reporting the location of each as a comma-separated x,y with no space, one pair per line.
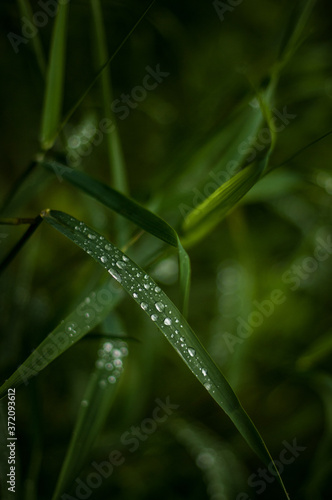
115,155
95,406
52,108
86,316
26,11
133,211
167,318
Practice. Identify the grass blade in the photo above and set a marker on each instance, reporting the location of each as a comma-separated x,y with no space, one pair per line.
55,79
211,211
115,155
134,212
76,325
114,147
95,406
161,310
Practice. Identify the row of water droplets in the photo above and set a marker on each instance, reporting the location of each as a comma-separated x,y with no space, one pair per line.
145,292
109,363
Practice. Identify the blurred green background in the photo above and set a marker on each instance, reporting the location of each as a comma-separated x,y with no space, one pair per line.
170,140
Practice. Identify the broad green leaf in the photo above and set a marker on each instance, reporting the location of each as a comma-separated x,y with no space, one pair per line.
133,211
86,316
95,406
52,107
167,318
26,11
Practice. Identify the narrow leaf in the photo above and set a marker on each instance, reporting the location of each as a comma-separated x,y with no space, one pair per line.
86,316
55,79
133,211
161,310
95,407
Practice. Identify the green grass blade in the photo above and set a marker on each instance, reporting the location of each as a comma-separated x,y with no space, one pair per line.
114,149
95,406
52,107
185,277
161,310
211,211
118,202
26,11
76,325
133,211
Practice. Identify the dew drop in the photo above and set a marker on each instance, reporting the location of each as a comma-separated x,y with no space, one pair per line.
84,403
154,317
108,247
102,383
118,363
100,364
87,315
159,306
109,366
144,306
120,264
107,346
103,259
124,351
157,289
204,371
207,386
115,275
167,321
146,286
191,351
116,353
125,259
91,236
135,295
112,379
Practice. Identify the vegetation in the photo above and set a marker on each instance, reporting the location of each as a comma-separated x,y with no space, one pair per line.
166,170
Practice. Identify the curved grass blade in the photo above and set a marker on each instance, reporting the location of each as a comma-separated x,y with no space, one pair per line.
95,406
211,211
86,316
161,310
133,211
55,79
